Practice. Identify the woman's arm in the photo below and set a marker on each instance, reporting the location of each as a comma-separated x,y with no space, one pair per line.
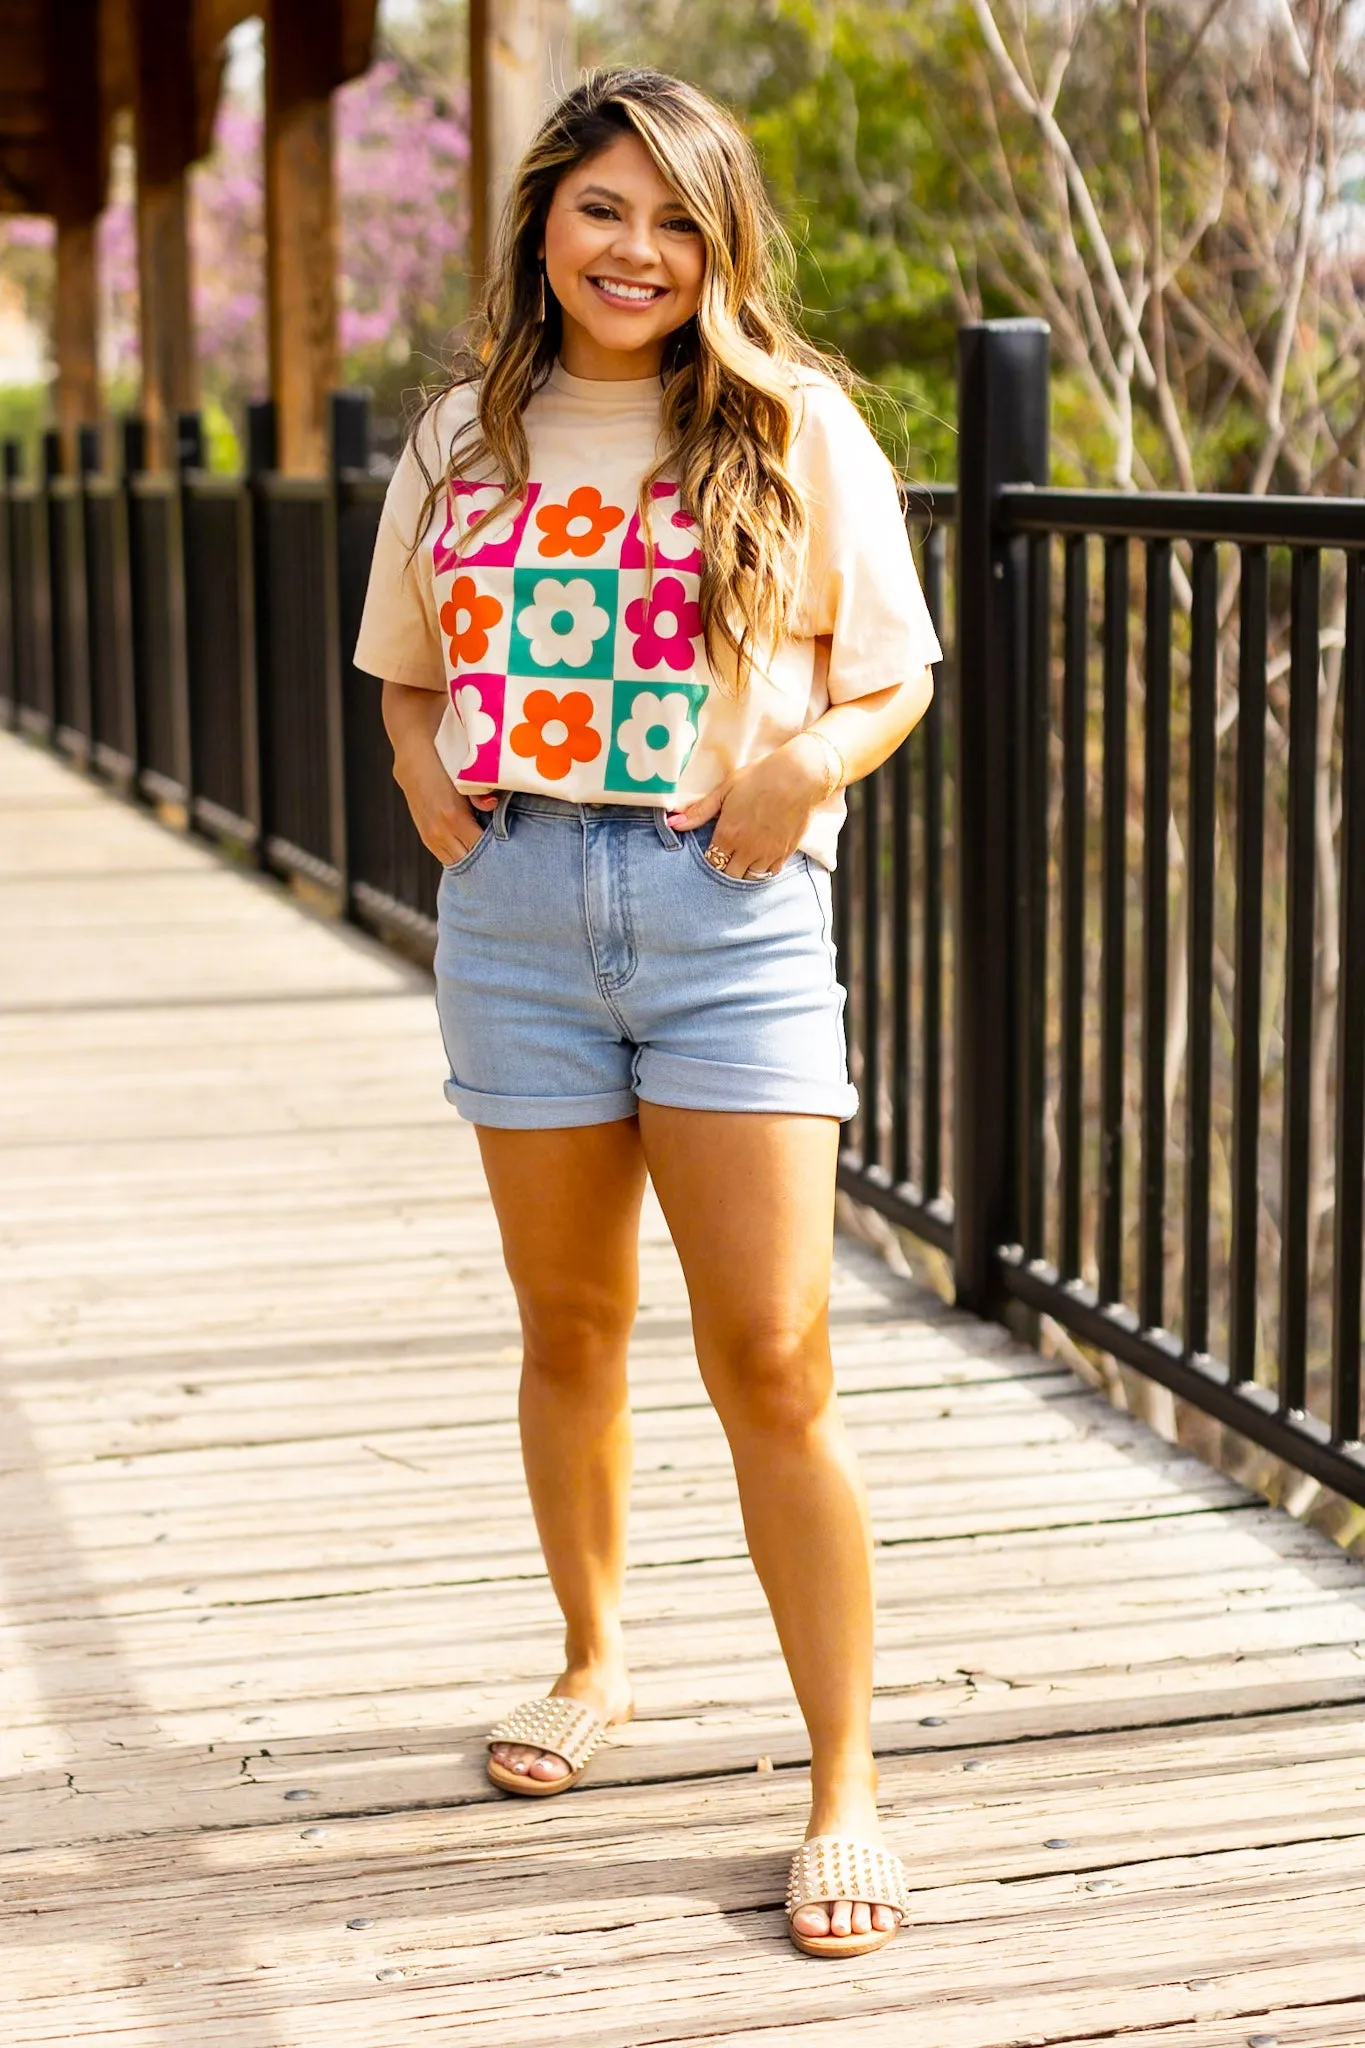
443,817
762,812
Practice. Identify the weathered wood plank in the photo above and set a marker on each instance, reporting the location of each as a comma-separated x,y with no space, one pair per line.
264,1530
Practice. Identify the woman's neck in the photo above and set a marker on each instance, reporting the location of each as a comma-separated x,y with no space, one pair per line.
584,357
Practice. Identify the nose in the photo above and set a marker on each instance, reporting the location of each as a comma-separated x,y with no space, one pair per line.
636,243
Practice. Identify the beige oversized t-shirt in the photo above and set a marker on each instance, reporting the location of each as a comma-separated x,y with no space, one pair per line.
565,673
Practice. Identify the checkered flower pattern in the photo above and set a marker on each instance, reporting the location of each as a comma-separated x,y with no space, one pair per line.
566,672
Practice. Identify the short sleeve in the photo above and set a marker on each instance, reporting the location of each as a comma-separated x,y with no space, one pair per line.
400,635
862,588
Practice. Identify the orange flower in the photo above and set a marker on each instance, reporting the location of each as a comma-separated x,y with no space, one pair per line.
466,615
557,732
554,522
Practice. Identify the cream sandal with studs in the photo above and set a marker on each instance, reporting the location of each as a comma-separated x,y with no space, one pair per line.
830,1867
565,1728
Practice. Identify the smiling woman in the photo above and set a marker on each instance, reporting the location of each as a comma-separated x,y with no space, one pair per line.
643,591
624,260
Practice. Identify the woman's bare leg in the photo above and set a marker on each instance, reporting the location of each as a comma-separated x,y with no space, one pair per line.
750,1203
568,1207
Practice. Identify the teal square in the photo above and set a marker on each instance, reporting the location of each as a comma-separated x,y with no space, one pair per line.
570,611
653,732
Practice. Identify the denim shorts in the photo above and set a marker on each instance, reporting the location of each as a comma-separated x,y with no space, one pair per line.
588,958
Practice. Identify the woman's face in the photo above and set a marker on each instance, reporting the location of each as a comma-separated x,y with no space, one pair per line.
624,260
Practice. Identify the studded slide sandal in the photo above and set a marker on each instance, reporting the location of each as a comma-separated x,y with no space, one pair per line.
565,1728
830,1867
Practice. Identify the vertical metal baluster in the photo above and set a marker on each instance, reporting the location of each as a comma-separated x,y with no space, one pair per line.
1031,800
931,971
1076,636
1156,806
899,772
1298,997
1350,1133
872,971
1199,870
1246,1029
844,911
1113,849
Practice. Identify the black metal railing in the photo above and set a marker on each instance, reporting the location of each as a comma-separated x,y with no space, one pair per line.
1102,918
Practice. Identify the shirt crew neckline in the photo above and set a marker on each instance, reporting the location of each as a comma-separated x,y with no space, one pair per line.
610,394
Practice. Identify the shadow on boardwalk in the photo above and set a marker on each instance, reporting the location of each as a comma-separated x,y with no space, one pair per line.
269,1572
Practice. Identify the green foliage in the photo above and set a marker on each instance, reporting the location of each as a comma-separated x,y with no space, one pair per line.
24,414
837,100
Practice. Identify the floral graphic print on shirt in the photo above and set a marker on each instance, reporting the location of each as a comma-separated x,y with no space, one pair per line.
563,669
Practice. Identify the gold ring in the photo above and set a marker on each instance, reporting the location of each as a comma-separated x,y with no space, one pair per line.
716,858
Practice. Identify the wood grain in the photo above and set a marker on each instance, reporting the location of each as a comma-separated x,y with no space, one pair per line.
265,1532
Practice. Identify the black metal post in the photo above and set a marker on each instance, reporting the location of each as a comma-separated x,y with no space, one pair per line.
349,423
189,442
132,463
262,458
10,457
350,430
132,446
262,437
89,450
1002,439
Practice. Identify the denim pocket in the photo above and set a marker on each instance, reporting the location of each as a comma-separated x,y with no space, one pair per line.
698,842
462,867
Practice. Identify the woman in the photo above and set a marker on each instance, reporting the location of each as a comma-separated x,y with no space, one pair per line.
643,603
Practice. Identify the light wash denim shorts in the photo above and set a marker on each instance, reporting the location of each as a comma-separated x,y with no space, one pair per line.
588,958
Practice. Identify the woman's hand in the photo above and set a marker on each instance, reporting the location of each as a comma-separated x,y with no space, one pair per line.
762,813
444,817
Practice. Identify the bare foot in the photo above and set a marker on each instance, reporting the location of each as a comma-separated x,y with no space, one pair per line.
605,1688
847,1808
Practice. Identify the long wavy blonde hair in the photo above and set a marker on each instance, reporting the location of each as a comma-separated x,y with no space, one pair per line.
730,392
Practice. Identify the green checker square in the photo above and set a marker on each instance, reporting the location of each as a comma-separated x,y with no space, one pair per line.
653,732
563,622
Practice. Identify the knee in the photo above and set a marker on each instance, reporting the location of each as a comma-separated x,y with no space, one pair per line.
573,1336
772,1382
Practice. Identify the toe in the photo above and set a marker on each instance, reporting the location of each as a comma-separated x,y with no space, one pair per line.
547,1766
861,1921
811,1920
841,1917
883,1919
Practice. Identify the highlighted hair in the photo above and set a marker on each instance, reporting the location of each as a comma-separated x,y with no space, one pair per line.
730,375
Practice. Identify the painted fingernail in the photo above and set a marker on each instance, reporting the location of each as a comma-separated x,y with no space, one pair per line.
676,818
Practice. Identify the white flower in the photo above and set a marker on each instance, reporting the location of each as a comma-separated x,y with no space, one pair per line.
564,622
673,543
657,737
477,506
478,727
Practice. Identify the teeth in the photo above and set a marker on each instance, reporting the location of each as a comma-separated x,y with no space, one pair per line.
637,292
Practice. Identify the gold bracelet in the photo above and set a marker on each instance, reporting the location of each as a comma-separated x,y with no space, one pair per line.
812,732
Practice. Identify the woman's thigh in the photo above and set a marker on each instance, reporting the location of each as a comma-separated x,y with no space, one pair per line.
568,1208
749,1201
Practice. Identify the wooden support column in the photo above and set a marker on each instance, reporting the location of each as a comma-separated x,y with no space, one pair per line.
521,58
164,85
303,65
76,188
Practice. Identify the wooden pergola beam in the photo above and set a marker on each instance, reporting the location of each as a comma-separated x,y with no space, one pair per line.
521,57
164,102
304,62
76,159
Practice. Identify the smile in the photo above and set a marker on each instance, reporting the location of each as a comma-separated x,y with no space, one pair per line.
627,294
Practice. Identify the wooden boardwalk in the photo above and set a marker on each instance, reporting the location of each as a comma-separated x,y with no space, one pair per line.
268,1572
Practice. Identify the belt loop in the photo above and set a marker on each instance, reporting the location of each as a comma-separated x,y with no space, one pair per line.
500,810
665,831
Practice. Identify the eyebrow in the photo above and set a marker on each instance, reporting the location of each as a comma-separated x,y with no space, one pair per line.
619,198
